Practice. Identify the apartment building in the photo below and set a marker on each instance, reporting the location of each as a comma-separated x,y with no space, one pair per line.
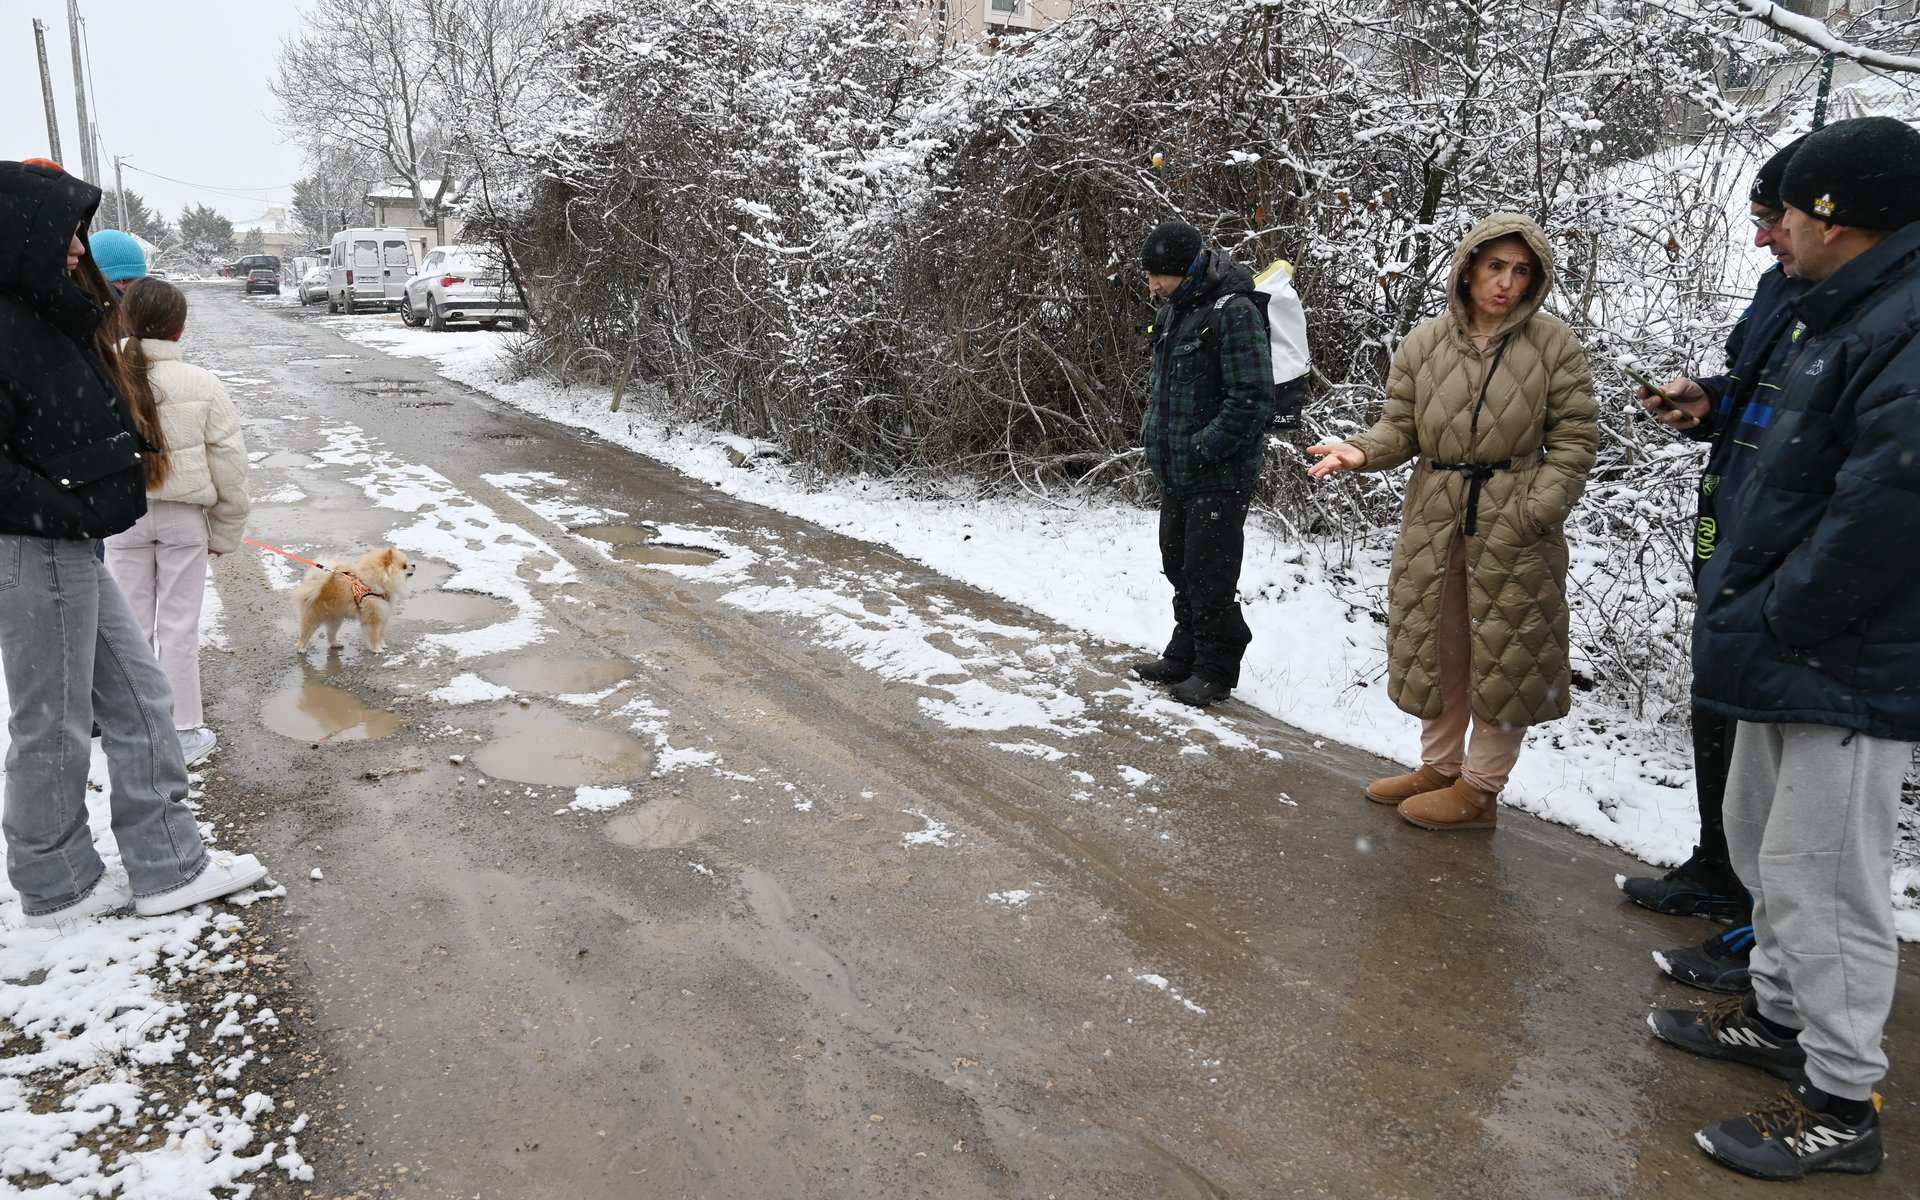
972,20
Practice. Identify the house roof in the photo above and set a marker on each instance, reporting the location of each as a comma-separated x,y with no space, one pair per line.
275,220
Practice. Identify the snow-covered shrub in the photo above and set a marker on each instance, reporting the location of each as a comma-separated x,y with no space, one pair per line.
809,224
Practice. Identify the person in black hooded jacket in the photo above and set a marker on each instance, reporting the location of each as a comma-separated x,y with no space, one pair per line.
72,471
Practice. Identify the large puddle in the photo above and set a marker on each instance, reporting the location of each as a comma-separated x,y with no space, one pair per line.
539,746
637,545
298,528
659,825
313,711
464,609
561,676
390,387
288,459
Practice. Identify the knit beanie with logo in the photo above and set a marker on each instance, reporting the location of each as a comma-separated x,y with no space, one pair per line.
1864,173
1766,182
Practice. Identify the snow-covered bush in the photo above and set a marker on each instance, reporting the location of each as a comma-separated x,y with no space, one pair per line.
811,225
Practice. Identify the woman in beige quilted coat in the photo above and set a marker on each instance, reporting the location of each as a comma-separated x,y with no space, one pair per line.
197,502
1494,400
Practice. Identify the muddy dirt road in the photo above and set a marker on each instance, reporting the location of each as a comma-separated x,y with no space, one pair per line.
878,886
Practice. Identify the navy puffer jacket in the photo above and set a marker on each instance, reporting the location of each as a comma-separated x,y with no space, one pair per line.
1810,610
70,459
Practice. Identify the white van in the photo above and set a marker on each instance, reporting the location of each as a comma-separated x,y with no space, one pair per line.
368,269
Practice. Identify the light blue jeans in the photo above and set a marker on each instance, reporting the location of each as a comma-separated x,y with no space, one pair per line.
73,656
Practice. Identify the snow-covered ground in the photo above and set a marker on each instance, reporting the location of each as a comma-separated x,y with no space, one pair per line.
1317,661
90,1011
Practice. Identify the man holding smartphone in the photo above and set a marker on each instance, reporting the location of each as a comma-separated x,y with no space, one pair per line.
1809,635
1726,411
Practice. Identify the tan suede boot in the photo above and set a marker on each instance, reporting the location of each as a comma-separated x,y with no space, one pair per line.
1395,788
1457,806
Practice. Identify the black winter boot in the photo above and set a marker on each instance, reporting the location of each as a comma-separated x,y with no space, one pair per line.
1162,670
1200,691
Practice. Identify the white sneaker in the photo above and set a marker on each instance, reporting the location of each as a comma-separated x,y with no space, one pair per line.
225,875
196,744
112,892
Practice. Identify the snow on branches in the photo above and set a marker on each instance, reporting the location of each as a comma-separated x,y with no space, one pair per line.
819,225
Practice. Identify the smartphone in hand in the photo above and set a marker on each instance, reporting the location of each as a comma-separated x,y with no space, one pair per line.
1639,377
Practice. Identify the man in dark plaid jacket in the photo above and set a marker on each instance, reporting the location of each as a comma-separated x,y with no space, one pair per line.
1208,403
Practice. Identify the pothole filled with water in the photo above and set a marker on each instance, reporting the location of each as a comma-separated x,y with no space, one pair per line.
312,711
390,387
543,747
614,535
286,458
659,825
560,676
465,609
304,522
665,554
637,545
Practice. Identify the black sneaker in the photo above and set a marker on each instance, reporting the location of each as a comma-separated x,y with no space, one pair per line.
1162,670
1718,964
1730,1030
1689,890
1792,1136
1200,691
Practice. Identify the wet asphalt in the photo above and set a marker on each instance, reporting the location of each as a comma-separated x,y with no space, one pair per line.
1238,980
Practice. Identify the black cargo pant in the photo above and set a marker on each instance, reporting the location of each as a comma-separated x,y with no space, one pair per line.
1202,539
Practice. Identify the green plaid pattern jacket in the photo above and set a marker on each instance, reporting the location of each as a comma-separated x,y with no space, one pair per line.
1210,394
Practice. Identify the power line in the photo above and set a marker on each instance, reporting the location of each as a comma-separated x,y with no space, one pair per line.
236,193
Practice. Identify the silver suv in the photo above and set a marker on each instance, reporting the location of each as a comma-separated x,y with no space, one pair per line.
462,283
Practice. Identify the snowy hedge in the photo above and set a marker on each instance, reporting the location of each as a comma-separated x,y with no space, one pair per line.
817,225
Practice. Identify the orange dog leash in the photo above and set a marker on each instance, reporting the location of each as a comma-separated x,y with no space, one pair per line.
360,590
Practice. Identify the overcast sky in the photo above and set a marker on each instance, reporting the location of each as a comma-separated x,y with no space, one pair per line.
181,89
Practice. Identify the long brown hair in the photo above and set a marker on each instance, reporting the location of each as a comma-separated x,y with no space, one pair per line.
127,360
127,367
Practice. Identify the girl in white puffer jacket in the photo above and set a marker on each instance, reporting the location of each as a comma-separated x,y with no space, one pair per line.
196,507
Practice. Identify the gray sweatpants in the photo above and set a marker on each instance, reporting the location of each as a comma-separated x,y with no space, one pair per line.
1811,813
74,655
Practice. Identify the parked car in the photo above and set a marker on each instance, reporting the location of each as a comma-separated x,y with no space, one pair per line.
369,269
241,268
263,279
313,286
463,283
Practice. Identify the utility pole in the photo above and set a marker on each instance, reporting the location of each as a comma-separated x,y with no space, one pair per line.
46,88
89,167
120,191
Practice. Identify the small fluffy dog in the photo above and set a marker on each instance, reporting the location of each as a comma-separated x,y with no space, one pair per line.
330,598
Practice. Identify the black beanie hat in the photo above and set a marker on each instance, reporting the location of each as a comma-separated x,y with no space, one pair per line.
1171,248
1864,173
1766,184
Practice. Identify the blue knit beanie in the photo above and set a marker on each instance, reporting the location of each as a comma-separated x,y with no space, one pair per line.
117,255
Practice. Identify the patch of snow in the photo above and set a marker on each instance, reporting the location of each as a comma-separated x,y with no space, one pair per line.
1161,982
599,799
469,688
935,834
